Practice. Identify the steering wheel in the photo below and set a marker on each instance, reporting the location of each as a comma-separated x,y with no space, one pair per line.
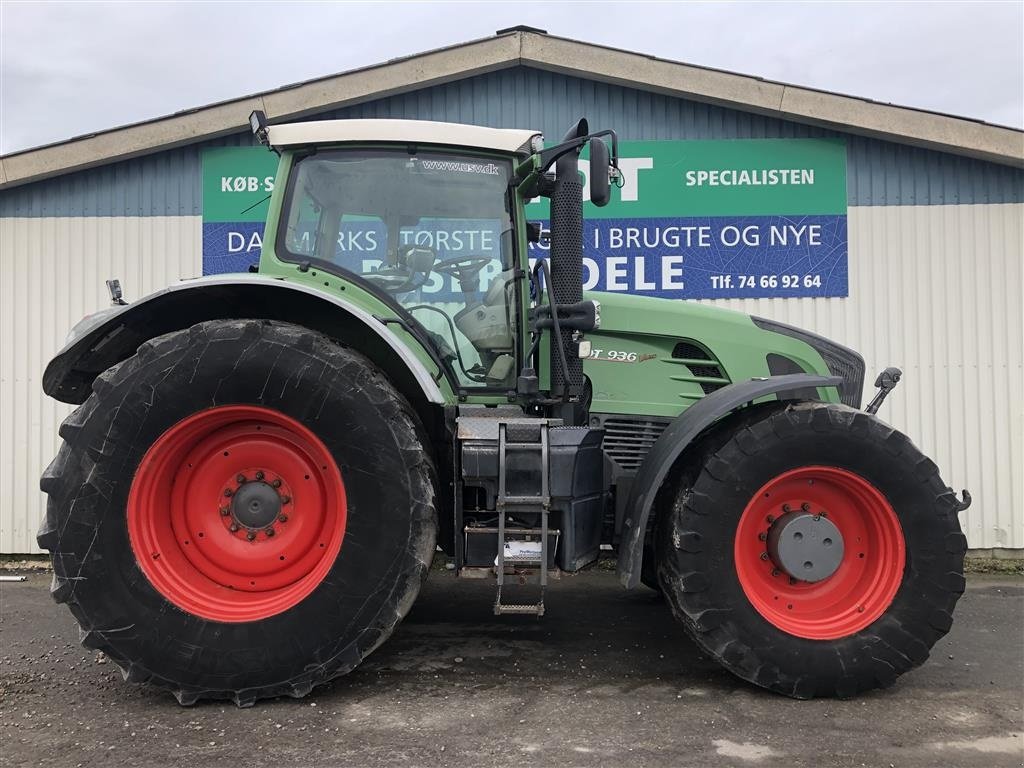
465,269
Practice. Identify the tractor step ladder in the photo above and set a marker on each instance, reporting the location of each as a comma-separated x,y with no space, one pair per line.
505,502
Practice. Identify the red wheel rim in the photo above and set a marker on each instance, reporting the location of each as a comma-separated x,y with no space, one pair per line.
186,529
868,575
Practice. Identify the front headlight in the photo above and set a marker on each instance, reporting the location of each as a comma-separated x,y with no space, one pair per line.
841,361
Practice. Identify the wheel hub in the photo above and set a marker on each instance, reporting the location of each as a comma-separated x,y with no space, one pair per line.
236,513
805,546
850,583
255,505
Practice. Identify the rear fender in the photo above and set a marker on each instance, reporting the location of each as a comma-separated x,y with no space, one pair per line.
113,335
673,442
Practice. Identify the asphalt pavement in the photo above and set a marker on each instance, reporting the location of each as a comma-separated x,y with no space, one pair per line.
606,678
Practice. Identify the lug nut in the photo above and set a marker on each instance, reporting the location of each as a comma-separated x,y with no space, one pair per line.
241,479
259,475
823,513
233,527
285,499
805,507
269,531
775,571
762,536
792,580
224,512
786,508
816,518
770,518
282,518
228,492
277,483
764,555
251,535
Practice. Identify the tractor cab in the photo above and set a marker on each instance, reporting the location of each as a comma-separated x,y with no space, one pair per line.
429,230
434,226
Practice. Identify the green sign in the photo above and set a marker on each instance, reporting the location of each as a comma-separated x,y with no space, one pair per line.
237,182
739,218
734,177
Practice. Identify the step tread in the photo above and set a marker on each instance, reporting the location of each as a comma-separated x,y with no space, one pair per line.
531,608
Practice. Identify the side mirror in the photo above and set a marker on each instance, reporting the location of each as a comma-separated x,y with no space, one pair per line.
600,184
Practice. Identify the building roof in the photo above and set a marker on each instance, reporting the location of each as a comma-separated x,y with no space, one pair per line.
524,46
415,131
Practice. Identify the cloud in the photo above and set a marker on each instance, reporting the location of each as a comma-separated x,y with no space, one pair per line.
73,68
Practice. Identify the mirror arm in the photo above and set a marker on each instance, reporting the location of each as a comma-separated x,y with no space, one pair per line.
547,157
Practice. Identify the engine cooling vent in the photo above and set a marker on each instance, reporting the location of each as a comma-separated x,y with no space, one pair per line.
688,349
627,441
709,375
851,368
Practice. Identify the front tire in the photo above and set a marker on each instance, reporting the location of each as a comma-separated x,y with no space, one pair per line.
243,509
813,551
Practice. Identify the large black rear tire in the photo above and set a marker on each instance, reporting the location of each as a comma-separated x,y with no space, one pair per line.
370,500
794,637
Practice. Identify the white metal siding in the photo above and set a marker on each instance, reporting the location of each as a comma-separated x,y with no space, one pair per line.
936,290
53,271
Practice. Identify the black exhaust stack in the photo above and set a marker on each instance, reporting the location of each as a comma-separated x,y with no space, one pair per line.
567,261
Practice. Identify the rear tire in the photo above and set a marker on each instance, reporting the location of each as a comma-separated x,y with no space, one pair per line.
889,599
185,588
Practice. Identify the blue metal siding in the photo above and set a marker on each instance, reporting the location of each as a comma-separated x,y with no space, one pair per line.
879,172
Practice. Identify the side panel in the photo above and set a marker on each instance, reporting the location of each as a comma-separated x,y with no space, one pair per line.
674,440
636,368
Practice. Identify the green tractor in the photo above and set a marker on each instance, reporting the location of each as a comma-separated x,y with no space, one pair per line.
262,466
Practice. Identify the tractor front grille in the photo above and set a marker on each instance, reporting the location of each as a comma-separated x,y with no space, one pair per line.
841,361
628,440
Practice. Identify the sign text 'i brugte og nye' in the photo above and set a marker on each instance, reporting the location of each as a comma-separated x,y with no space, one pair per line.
693,219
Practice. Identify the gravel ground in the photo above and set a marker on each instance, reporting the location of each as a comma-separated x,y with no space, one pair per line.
606,678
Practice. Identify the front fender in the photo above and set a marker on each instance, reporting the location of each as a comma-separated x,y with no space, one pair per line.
676,438
110,336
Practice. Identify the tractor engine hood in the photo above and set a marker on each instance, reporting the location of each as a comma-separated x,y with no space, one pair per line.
657,356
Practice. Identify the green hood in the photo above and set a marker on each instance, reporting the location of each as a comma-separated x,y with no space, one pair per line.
658,356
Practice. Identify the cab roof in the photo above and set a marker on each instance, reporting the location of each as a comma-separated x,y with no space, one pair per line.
405,131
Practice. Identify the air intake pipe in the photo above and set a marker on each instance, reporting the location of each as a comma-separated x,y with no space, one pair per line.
567,260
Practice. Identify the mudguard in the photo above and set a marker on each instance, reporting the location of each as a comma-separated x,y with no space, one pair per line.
114,334
675,439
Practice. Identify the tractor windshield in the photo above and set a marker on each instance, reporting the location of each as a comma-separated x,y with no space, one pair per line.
431,229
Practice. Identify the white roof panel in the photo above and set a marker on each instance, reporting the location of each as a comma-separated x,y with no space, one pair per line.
410,131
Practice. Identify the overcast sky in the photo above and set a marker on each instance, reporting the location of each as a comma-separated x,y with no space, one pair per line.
73,68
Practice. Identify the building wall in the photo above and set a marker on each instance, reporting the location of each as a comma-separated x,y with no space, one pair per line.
935,261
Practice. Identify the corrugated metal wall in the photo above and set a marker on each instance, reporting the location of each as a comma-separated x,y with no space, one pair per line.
935,270
53,271
879,172
937,291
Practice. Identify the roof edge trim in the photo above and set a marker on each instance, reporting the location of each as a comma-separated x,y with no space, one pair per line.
849,114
